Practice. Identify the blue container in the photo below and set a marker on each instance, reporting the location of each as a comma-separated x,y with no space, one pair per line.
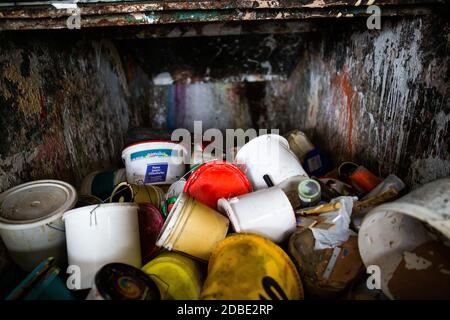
316,163
43,283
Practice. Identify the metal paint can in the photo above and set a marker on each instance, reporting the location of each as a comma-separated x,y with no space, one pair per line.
309,192
140,194
250,267
148,194
178,277
30,221
364,179
119,281
184,229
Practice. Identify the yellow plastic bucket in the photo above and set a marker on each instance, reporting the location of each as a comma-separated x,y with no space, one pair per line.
178,277
193,228
250,267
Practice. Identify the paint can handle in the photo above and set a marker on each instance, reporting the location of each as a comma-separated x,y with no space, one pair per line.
53,227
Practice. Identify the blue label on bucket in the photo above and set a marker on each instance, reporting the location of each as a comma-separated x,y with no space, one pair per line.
156,173
153,153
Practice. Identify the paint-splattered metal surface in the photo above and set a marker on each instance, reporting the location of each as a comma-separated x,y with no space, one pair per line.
378,97
63,108
247,58
381,98
123,13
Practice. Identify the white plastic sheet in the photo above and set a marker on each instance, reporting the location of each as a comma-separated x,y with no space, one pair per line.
340,232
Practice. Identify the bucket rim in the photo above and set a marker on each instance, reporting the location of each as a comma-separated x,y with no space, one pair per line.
95,207
172,221
210,165
135,144
72,198
307,196
175,260
412,210
283,141
101,279
224,204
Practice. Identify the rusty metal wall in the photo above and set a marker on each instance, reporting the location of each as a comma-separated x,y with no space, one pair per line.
377,97
381,98
63,107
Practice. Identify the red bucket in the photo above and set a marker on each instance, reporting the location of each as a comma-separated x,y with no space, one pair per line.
150,225
214,180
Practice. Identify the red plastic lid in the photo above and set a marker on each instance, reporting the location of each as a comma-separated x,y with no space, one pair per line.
216,179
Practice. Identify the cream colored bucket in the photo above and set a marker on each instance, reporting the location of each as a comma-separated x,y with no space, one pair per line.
193,228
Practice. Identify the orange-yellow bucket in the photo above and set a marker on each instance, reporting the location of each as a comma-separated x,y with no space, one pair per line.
177,276
193,228
250,267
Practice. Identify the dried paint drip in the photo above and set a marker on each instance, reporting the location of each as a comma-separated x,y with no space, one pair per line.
414,262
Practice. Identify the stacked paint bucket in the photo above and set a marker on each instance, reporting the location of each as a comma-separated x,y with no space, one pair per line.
216,190
172,251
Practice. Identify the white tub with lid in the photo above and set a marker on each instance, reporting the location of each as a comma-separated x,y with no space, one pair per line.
30,221
154,162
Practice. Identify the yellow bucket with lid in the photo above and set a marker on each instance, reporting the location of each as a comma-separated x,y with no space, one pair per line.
177,276
250,267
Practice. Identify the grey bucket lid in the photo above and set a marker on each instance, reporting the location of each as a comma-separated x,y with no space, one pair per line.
35,201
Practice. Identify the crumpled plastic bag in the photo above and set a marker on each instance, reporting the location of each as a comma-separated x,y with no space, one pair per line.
340,232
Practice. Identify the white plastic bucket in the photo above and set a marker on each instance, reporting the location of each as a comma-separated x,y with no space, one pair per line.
391,234
268,154
101,234
266,212
154,162
30,221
